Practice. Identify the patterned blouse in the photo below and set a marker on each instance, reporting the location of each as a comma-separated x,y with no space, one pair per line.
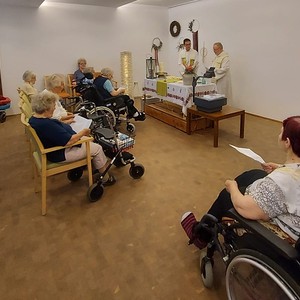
278,195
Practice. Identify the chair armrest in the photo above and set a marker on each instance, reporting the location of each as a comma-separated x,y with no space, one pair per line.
270,237
84,139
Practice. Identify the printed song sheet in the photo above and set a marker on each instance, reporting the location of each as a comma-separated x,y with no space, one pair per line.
80,123
248,152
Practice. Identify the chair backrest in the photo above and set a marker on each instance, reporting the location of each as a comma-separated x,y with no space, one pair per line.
23,96
25,109
24,120
91,94
38,146
71,91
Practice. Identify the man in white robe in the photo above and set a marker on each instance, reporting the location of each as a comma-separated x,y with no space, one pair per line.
221,63
188,59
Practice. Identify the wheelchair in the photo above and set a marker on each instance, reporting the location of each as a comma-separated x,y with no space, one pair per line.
259,264
89,93
114,144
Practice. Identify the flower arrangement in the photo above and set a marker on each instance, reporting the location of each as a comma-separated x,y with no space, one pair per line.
189,71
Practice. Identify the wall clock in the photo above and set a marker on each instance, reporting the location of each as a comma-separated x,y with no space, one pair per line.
175,28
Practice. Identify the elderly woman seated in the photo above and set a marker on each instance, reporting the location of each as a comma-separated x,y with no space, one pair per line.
29,80
55,133
105,87
79,73
271,194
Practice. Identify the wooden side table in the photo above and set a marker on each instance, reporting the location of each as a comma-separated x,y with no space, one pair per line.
226,112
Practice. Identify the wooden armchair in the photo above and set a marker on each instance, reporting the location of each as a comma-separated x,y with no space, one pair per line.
72,91
44,168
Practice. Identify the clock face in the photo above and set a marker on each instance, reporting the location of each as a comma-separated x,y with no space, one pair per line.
175,28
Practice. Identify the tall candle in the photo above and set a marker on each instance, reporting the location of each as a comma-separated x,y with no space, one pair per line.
161,67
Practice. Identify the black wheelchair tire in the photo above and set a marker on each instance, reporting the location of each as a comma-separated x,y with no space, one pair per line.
75,174
2,116
95,192
136,171
103,110
263,263
206,270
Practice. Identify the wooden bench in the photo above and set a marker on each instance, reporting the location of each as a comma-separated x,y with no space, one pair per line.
226,112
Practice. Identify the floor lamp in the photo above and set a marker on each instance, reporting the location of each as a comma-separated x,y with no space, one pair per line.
126,72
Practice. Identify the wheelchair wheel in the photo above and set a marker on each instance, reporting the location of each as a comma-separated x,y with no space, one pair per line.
130,128
105,111
2,116
206,269
252,275
136,171
95,192
75,174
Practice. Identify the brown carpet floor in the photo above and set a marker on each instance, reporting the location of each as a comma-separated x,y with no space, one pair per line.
129,245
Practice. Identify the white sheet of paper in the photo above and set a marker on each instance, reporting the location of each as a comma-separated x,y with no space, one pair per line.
80,123
248,152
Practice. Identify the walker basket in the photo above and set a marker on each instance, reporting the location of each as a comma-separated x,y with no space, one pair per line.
120,141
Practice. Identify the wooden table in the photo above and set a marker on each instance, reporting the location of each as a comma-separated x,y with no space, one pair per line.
226,112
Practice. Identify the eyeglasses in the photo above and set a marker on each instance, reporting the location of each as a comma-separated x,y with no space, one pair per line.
83,63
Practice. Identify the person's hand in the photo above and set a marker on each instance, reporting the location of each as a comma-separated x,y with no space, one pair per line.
269,167
69,121
70,115
85,132
230,185
121,90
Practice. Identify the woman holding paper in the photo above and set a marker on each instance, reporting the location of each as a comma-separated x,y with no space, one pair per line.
269,194
53,133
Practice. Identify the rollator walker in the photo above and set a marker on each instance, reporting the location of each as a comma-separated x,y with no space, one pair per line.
114,143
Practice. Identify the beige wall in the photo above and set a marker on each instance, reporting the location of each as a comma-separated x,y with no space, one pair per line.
261,37
50,39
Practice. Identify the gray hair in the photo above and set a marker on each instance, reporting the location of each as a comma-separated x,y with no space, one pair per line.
219,45
107,71
28,75
54,81
81,60
43,101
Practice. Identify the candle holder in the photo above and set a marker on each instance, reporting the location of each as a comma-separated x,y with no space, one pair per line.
151,68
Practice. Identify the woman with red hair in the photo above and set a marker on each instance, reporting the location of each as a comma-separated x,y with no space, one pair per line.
271,194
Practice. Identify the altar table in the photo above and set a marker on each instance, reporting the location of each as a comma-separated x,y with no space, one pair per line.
177,92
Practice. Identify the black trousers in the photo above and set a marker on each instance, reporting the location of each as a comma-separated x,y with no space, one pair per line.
223,203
